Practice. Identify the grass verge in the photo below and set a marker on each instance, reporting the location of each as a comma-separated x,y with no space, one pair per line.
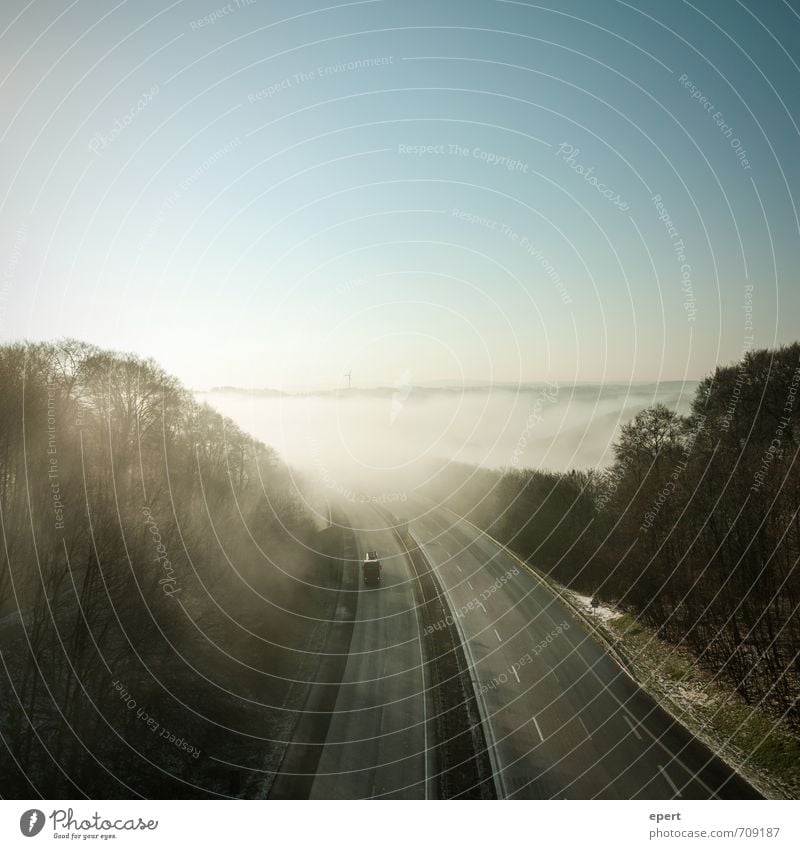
755,743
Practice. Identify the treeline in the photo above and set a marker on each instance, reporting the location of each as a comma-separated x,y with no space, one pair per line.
694,527
158,583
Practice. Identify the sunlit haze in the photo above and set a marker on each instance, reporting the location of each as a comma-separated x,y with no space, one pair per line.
400,399
275,195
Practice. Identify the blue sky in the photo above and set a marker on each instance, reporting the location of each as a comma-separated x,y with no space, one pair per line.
274,193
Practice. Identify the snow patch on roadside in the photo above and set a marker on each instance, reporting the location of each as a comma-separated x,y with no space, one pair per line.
604,613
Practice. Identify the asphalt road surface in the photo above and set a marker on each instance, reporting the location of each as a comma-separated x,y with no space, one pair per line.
376,744
562,719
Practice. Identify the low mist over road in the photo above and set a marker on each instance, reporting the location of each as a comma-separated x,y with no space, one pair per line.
334,434
400,400
216,592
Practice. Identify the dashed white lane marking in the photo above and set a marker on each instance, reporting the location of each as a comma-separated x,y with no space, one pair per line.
538,730
588,733
633,728
482,607
669,780
514,670
458,567
499,638
469,584
656,740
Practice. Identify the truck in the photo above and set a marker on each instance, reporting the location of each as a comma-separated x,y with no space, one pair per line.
372,568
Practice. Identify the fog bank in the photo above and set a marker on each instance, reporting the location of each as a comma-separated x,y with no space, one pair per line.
357,434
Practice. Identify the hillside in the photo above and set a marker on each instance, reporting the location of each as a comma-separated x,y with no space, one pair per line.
157,570
693,528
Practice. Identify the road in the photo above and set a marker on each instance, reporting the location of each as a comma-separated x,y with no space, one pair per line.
563,719
376,744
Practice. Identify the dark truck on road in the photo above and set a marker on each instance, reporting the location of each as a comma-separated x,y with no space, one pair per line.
372,568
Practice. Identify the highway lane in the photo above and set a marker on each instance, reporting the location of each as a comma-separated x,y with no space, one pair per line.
563,719
377,743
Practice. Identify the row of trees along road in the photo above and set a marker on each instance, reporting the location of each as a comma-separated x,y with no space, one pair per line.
152,555
693,527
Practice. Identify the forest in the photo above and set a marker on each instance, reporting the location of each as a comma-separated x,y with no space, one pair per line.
693,527
157,571
165,584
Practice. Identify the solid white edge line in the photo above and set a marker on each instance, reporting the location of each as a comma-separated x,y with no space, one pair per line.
486,725
425,690
609,650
